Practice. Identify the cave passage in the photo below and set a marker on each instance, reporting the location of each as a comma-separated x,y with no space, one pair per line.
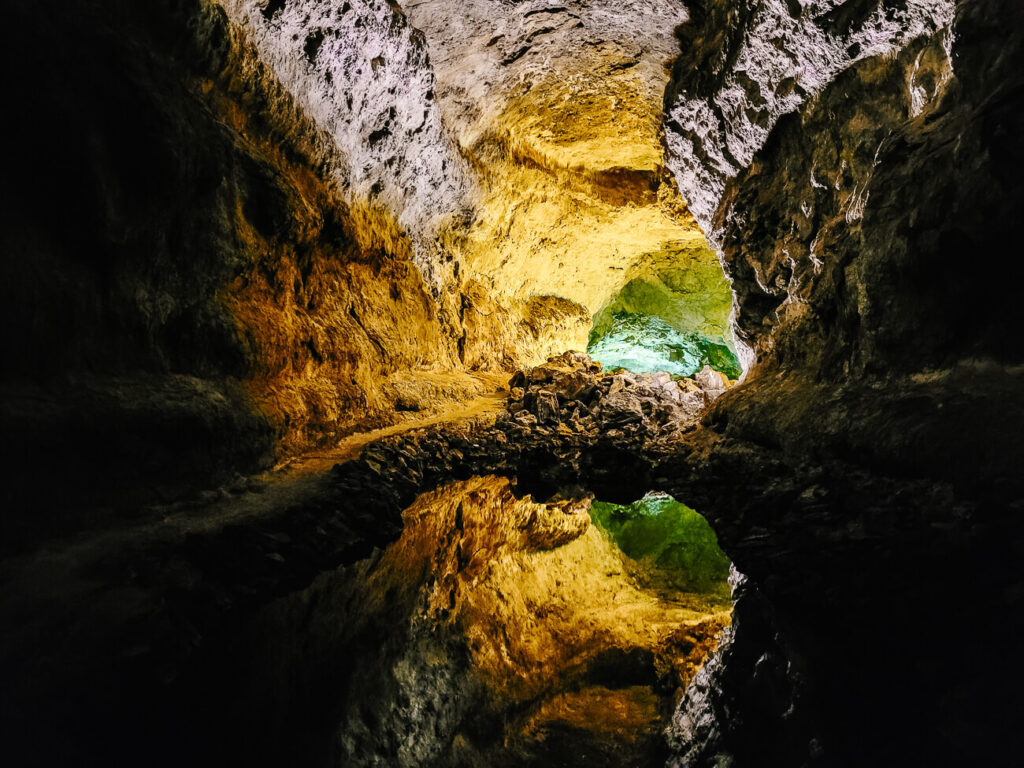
525,633
304,297
672,315
666,544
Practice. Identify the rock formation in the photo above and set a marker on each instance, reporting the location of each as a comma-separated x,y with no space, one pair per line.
846,157
558,105
218,301
355,240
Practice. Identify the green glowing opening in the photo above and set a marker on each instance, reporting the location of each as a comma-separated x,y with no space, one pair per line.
647,344
671,543
672,315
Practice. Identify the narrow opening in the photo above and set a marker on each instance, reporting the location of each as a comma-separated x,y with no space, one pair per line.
672,315
668,547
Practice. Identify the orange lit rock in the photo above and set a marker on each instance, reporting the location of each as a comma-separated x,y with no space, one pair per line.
564,648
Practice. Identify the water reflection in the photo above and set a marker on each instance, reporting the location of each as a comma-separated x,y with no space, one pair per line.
515,633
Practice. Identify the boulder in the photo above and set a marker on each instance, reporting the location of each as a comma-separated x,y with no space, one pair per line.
619,409
711,381
546,407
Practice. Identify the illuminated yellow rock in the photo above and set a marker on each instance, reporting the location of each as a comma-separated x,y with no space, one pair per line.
442,194
542,601
456,193
559,111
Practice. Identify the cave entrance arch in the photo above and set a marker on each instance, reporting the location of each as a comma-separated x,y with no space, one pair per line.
672,314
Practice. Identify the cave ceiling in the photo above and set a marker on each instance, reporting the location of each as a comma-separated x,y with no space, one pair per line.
523,141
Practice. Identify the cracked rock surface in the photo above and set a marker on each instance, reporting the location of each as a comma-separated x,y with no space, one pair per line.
847,159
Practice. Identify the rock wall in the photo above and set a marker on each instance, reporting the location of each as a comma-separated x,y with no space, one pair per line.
557,106
747,65
200,280
360,73
851,161
284,226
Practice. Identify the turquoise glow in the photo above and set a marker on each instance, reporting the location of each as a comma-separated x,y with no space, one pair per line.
666,536
646,344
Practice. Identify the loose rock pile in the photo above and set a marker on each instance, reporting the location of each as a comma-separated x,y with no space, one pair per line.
570,394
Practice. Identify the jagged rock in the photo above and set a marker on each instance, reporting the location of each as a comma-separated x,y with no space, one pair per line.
845,159
570,388
711,381
342,69
546,407
620,408
577,385
525,418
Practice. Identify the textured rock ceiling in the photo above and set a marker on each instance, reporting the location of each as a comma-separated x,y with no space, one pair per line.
559,107
517,146
360,73
788,53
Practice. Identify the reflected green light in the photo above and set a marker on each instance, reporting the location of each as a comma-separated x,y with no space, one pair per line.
667,536
671,315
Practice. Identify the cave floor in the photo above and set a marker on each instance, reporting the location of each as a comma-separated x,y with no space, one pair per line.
484,407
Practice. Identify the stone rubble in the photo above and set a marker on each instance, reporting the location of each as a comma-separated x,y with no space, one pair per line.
571,392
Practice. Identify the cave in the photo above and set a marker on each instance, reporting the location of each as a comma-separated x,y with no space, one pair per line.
486,383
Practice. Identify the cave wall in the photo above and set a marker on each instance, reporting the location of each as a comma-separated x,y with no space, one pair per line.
518,147
851,161
362,75
799,138
201,279
557,106
246,228
849,232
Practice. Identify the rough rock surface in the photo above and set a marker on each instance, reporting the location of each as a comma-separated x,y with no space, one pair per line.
849,195
213,300
359,71
746,65
558,106
569,392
